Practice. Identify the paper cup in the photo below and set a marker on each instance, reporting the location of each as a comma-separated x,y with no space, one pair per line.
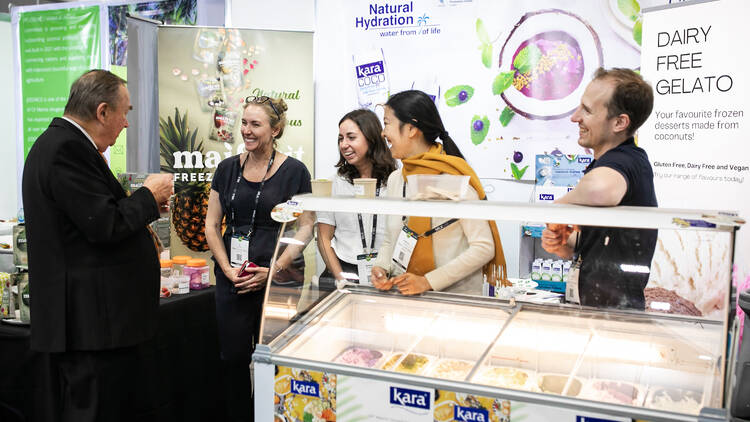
321,187
364,187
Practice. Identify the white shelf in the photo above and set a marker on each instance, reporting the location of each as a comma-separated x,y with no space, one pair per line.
628,217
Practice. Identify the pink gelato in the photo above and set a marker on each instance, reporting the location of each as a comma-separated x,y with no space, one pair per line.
359,357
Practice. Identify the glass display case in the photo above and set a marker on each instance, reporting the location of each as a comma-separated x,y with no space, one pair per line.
352,352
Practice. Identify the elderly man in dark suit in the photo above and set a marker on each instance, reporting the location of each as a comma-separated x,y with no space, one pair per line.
93,267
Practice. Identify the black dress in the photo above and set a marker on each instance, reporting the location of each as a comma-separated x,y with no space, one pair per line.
238,316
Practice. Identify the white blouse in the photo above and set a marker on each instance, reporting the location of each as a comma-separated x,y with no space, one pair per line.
347,242
460,250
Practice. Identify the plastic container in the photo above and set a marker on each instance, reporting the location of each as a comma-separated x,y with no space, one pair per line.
365,187
166,275
166,268
178,264
183,284
321,187
197,271
436,186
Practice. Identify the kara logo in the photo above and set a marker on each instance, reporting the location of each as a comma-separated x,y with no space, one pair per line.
369,69
584,160
590,419
306,388
546,197
470,414
410,398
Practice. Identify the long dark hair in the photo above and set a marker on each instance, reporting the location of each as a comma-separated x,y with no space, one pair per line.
417,108
377,151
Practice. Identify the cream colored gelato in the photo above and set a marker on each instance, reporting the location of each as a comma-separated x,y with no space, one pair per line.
695,265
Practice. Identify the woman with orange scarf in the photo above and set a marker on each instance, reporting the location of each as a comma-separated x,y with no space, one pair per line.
455,256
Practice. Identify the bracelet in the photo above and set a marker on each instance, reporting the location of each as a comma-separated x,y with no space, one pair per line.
278,269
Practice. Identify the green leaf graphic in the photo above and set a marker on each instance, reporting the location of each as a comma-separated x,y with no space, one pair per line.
517,174
506,115
479,128
629,8
502,82
482,33
527,59
638,30
453,95
487,55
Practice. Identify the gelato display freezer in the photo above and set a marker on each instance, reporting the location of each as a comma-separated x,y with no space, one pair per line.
353,353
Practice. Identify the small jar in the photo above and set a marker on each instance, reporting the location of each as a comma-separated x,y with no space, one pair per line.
197,270
183,284
166,268
178,264
166,276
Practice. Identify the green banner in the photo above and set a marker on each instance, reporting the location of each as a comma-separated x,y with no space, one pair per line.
56,47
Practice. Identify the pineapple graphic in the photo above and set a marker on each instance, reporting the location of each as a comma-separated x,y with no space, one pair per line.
191,198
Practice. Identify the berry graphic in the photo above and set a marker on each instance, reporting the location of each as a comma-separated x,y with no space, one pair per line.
463,95
478,125
517,156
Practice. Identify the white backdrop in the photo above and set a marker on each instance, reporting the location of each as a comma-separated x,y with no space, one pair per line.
8,178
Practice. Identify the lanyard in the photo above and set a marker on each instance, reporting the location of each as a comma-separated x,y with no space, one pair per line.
433,230
257,195
374,226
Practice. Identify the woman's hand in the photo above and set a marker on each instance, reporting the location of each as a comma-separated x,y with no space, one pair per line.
380,279
411,284
252,282
233,274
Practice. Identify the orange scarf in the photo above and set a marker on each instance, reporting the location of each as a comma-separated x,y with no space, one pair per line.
435,161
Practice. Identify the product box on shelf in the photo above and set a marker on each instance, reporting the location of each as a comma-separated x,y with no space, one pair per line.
23,297
7,304
20,256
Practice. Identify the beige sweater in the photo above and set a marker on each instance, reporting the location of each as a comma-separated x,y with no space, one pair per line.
460,250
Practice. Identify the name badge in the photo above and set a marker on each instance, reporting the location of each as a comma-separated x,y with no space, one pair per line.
364,267
571,286
405,244
239,249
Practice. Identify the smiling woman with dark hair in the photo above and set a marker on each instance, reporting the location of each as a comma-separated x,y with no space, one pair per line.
362,153
447,256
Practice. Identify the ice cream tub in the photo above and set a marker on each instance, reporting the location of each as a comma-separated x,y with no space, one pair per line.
555,384
610,391
413,363
321,187
675,400
451,369
506,377
360,356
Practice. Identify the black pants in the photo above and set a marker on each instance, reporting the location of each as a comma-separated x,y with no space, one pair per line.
95,385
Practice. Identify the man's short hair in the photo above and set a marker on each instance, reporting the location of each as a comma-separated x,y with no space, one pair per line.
632,96
91,89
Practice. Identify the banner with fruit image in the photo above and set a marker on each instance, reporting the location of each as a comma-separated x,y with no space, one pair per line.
506,75
204,76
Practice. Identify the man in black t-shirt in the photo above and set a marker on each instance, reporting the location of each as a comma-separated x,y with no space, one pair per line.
614,262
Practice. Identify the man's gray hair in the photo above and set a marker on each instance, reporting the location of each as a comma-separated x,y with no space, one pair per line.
91,89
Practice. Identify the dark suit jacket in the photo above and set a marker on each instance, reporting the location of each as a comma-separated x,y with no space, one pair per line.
93,268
